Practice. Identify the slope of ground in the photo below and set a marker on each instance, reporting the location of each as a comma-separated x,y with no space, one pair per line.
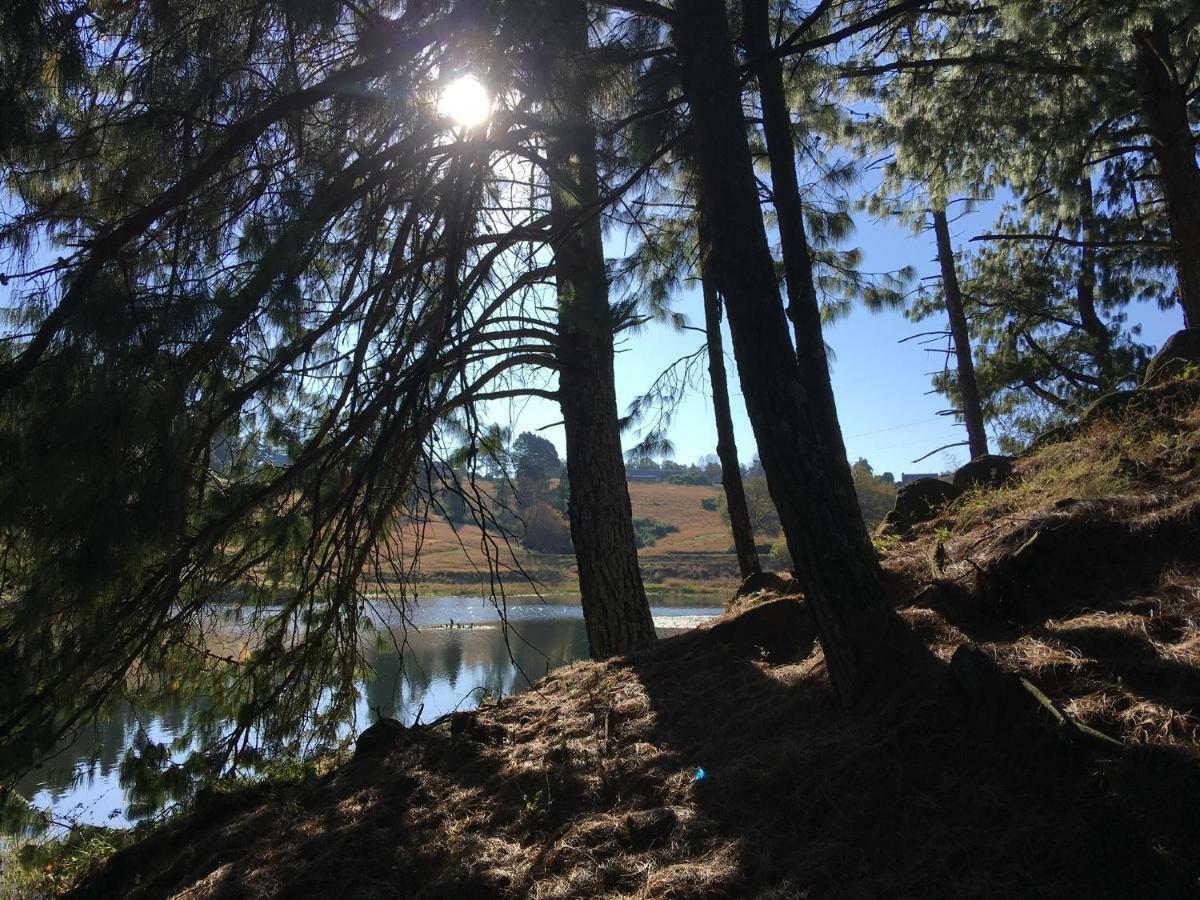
717,763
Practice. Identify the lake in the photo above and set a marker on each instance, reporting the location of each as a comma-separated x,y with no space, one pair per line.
456,655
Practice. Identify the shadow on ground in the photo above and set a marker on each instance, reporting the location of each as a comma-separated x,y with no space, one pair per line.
588,787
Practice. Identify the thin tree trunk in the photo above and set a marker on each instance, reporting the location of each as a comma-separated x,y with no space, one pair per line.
968,389
1164,107
616,612
1085,294
731,471
781,151
790,405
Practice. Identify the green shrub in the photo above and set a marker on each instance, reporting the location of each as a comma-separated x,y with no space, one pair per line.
647,531
708,504
38,869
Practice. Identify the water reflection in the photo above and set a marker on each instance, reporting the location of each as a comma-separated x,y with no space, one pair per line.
437,670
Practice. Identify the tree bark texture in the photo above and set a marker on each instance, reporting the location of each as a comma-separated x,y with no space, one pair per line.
1164,109
731,470
616,612
789,401
968,389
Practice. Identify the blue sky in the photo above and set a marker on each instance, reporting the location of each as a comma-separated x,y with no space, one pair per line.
879,383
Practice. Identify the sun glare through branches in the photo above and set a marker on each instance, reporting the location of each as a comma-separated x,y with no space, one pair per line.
466,101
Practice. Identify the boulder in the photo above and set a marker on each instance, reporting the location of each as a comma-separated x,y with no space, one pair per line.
380,739
919,501
775,582
1181,350
989,470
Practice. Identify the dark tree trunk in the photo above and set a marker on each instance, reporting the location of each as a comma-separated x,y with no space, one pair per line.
731,471
615,610
781,151
968,389
1163,100
1085,294
790,402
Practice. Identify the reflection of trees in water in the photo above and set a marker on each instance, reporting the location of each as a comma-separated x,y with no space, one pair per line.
441,668
452,661
455,662
99,747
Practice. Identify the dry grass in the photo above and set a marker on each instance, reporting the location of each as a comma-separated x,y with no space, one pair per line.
454,558
1131,451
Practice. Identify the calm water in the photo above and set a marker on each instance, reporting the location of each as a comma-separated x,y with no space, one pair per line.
441,669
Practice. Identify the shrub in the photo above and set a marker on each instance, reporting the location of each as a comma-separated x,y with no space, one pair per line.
709,504
546,531
647,531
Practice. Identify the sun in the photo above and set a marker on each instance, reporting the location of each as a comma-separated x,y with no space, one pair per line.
466,101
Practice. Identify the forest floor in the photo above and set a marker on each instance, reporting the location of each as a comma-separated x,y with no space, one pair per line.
719,764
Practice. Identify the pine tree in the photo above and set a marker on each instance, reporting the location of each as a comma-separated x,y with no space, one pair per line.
269,237
789,399
1047,97
616,612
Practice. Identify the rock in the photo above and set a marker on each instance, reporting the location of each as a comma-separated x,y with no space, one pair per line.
780,630
648,827
384,737
1181,350
989,470
919,501
783,585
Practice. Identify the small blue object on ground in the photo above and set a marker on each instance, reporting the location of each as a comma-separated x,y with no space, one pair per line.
701,774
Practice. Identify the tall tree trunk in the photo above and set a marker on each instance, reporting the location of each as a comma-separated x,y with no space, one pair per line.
1085,293
731,471
968,389
785,187
615,610
790,402
1163,100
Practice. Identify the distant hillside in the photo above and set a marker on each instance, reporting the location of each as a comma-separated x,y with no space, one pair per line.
699,550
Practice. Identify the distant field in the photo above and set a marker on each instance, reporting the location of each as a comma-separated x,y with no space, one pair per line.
694,558
700,531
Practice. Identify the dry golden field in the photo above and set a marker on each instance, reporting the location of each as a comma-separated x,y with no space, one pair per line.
695,557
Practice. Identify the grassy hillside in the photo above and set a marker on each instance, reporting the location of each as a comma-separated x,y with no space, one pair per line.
454,557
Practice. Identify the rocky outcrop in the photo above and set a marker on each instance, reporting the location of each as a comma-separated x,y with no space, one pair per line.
989,470
1181,350
919,501
384,737
775,582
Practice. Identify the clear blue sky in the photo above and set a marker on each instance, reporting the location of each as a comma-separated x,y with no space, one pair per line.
880,384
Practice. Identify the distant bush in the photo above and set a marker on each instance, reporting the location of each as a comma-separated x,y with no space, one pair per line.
689,478
647,531
709,504
546,531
